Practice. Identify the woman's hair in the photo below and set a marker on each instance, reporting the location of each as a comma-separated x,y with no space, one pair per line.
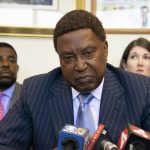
142,42
78,19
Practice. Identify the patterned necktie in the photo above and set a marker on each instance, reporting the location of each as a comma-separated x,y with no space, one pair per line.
84,117
1,107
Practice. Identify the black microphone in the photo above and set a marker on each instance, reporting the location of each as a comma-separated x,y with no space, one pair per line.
101,140
69,144
73,138
134,138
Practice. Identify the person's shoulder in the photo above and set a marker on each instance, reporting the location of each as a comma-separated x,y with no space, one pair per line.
18,84
51,75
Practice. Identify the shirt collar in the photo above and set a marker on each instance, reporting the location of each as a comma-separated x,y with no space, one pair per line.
96,92
10,90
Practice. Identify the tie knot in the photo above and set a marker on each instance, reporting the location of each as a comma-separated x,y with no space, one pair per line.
85,98
2,94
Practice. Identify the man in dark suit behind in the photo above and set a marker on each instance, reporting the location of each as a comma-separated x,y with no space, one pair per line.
9,88
51,100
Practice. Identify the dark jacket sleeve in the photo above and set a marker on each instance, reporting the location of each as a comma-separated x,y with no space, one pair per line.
5,148
16,127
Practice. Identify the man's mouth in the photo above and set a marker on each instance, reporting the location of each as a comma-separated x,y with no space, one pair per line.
5,73
140,71
84,79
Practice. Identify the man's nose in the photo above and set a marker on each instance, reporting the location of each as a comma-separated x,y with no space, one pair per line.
80,64
5,63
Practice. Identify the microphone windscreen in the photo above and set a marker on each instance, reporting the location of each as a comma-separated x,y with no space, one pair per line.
72,138
134,138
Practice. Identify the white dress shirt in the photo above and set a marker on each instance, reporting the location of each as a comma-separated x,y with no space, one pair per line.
7,98
94,104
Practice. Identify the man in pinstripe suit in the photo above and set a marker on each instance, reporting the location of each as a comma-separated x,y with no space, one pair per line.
49,101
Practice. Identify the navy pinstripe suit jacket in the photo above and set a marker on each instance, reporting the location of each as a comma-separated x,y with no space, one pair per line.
46,106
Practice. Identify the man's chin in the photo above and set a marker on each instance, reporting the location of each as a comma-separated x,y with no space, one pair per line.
85,88
5,84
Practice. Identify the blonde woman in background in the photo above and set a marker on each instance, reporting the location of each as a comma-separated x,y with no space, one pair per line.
136,57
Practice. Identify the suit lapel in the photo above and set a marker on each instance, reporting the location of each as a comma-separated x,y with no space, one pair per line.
15,94
61,105
112,103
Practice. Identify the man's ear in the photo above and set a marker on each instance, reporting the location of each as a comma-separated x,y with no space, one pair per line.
17,68
106,49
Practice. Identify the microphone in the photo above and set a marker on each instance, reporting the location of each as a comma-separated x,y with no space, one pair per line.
101,140
134,138
73,138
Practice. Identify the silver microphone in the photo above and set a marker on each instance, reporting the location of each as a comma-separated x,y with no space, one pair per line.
108,145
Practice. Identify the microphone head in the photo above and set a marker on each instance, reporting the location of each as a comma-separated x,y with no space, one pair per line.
134,138
101,140
70,144
72,138
106,145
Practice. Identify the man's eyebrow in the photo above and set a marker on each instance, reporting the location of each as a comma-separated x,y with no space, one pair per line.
66,53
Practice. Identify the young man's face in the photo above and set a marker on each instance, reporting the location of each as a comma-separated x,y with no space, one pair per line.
83,58
8,67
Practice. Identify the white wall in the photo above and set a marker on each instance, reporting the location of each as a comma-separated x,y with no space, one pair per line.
37,55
